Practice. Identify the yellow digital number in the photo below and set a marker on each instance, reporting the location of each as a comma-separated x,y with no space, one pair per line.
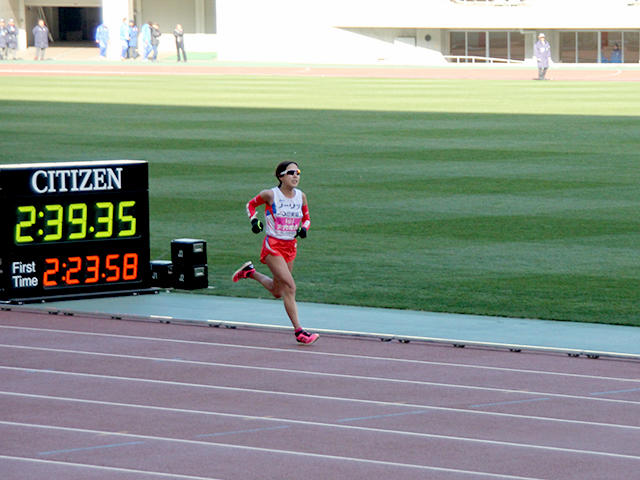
130,219
55,222
77,216
105,220
30,210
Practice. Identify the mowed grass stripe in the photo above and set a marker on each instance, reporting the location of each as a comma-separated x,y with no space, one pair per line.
482,96
502,198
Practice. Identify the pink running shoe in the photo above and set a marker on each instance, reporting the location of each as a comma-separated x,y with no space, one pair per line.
306,338
245,271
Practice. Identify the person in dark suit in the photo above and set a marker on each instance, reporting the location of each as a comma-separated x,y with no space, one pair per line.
178,33
40,39
155,40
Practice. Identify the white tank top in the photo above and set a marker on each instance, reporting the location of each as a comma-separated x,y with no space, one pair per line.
284,215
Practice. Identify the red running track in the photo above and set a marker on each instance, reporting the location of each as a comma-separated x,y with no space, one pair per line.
604,73
85,398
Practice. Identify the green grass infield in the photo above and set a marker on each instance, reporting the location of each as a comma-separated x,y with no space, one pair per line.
508,198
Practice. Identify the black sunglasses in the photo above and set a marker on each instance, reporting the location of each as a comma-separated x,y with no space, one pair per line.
290,172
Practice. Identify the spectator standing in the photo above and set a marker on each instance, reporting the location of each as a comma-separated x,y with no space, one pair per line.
3,39
124,39
145,36
616,54
12,39
40,39
178,33
102,39
133,40
155,40
542,51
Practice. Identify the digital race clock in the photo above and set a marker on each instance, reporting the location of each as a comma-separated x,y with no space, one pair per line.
73,229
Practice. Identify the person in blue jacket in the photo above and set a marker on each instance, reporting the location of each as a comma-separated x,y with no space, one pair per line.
145,36
133,40
616,54
124,39
102,39
40,39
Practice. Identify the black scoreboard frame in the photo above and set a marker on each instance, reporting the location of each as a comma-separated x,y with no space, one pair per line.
73,230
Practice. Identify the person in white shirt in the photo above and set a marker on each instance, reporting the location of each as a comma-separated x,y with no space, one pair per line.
542,51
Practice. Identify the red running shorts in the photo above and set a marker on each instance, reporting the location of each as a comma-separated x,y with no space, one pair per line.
286,249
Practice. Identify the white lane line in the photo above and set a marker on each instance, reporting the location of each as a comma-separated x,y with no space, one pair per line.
103,468
325,354
324,397
281,452
507,402
331,375
90,448
281,420
15,71
614,392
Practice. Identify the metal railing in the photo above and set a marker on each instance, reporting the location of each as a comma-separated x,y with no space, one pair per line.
475,59
491,2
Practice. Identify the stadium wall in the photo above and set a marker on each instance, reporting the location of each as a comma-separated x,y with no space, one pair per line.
373,31
357,31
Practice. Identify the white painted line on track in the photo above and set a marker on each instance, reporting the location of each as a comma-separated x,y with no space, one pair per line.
103,468
378,335
297,350
282,452
332,375
17,72
338,426
164,72
317,397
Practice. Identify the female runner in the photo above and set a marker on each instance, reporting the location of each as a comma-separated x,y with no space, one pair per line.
287,217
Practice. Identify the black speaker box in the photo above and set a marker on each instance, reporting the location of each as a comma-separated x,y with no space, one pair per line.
162,273
191,278
188,252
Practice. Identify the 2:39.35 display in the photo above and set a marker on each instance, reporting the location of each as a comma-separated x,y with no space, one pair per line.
75,221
